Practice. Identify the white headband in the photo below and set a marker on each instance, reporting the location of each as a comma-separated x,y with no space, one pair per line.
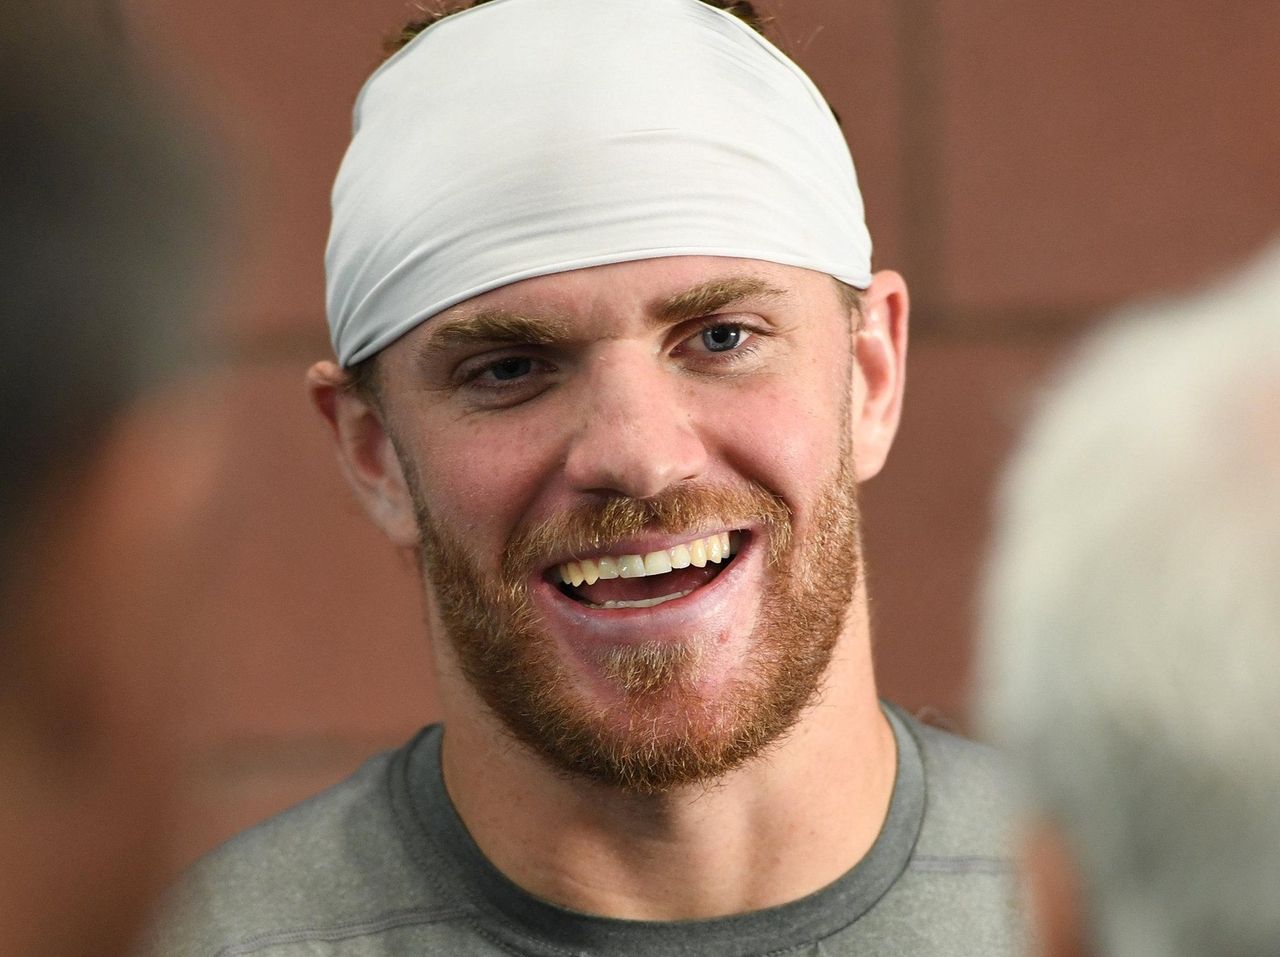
527,137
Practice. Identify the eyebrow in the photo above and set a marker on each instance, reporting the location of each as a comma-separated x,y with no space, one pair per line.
714,294
506,326
492,326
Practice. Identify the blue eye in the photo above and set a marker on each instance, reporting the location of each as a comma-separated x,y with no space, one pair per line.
721,338
513,368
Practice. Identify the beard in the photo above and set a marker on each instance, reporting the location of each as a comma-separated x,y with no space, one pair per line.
673,727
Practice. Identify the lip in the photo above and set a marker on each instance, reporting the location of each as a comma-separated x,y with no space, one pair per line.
644,544
673,620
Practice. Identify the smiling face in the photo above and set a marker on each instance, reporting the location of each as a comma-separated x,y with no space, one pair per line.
634,491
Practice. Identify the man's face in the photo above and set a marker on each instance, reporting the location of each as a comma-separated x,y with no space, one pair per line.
619,424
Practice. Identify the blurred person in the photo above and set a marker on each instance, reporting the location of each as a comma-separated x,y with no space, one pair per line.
612,361
99,231
1132,656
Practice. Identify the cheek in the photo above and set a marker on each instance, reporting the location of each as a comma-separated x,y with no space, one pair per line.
480,479
784,433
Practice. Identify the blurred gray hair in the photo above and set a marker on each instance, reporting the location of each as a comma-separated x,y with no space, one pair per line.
1132,622
103,215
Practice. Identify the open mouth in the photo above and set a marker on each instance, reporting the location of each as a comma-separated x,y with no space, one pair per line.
643,581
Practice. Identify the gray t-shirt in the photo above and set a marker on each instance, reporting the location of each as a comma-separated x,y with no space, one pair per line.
381,865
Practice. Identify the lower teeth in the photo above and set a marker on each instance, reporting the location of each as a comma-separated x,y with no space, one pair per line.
641,603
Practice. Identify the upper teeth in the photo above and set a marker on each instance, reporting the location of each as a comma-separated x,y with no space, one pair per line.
714,548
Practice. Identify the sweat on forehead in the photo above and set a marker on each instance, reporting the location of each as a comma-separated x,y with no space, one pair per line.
527,137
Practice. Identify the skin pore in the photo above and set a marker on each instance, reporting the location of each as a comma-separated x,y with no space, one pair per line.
730,751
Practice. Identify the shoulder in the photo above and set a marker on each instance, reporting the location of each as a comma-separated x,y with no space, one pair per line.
286,845
336,864
959,890
970,811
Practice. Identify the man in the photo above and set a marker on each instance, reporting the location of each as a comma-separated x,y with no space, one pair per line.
1133,653
101,223
612,361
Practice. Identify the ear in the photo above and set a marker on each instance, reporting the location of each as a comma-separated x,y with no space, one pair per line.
365,452
880,371
1052,885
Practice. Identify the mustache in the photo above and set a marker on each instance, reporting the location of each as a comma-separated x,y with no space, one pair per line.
595,527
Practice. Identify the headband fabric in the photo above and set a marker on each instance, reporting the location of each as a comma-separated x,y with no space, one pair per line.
527,137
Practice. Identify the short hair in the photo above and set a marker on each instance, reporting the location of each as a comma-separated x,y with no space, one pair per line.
1132,622
744,10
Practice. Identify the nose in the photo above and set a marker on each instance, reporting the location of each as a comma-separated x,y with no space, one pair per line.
635,434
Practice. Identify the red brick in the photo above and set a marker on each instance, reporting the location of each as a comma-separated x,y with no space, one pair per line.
277,82
850,49
1096,151
927,515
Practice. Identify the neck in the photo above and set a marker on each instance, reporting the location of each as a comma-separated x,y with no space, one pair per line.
787,823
